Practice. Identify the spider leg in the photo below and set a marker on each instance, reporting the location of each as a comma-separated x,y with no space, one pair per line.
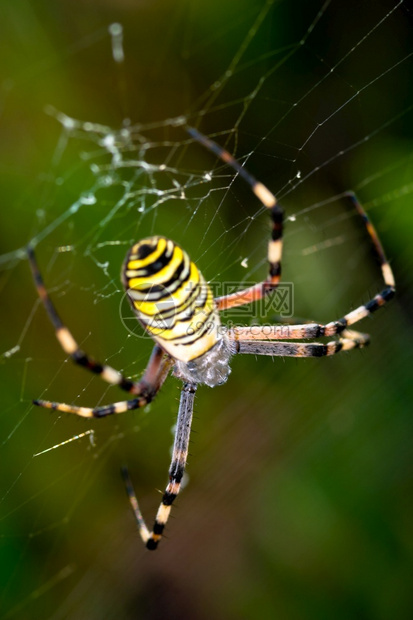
336,327
155,374
69,344
348,340
267,198
316,330
258,291
176,472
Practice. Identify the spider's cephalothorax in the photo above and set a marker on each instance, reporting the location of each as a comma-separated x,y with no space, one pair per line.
175,305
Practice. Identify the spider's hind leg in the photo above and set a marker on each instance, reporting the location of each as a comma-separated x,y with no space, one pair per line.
275,245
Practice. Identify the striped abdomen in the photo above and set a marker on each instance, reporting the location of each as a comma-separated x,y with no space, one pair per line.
171,298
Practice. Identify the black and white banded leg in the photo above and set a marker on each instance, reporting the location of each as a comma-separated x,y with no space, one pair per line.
267,198
348,340
176,472
339,326
144,390
257,291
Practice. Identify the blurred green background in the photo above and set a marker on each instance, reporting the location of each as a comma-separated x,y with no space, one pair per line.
299,499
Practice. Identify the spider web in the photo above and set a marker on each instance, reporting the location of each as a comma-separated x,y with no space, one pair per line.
294,463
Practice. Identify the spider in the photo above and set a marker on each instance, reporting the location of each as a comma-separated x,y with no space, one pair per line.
176,307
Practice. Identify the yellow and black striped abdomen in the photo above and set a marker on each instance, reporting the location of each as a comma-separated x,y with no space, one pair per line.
171,298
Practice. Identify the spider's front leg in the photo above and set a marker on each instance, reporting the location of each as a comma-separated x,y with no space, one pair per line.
144,390
348,340
176,472
155,374
69,344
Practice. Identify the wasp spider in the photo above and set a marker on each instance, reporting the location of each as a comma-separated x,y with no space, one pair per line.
176,307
